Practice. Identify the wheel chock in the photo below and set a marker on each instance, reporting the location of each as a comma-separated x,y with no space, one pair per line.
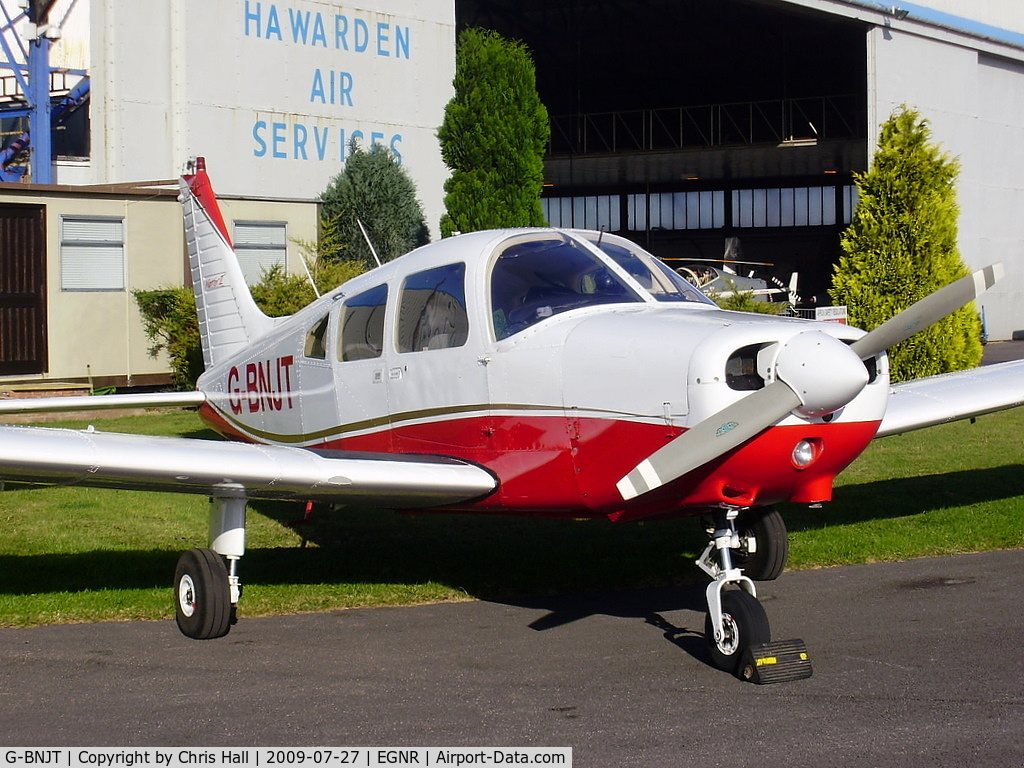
777,662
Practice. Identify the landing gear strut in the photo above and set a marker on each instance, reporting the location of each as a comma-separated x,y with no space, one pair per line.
737,628
764,543
206,588
735,619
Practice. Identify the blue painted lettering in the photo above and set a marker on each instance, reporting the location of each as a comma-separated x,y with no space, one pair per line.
319,33
274,24
258,128
341,32
300,25
302,141
317,93
337,89
321,142
255,17
362,36
279,138
402,42
351,33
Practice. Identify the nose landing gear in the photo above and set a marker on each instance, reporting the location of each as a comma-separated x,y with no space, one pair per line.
737,627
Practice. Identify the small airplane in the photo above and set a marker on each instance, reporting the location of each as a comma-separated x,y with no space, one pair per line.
526,371
717,281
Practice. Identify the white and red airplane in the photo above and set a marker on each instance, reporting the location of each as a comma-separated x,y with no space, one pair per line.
530,371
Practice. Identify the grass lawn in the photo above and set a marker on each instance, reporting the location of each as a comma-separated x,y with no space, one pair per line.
86,554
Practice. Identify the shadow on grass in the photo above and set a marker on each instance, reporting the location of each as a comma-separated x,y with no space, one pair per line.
899,497
487,557
496,558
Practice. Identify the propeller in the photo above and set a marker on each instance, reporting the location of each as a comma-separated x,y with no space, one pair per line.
814,374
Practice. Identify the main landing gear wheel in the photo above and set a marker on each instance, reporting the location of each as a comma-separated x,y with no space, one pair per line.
744,624
766,528
202,595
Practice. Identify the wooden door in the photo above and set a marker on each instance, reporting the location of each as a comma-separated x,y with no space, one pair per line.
22,289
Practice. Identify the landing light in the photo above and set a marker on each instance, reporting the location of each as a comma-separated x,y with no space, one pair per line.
806,452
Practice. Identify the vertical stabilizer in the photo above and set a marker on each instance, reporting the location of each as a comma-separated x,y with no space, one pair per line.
229,319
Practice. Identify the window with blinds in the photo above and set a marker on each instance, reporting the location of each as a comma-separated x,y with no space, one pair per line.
260,245
92,253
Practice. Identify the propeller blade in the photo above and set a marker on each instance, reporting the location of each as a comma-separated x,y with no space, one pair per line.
730,427
928,310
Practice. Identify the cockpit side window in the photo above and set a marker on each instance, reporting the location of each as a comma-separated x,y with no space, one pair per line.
315,346
658,279
361,335
535,279
432,313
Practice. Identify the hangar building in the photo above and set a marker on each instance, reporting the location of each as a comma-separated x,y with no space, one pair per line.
733,128
698,128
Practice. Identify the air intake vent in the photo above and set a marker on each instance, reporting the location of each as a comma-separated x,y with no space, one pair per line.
741,369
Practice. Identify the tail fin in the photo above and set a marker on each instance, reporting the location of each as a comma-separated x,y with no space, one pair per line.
229,319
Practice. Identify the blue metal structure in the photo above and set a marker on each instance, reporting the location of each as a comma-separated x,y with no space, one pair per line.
34,77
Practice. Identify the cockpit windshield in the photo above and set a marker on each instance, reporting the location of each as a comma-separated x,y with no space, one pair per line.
659,280
536,277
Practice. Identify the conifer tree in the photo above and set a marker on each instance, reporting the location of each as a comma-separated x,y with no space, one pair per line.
375,189
493,137
901,245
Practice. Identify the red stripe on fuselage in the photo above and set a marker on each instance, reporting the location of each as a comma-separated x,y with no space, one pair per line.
553,466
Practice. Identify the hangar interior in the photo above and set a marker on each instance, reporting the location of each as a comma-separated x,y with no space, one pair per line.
700,130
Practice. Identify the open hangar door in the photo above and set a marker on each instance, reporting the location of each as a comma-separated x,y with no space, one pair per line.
694,127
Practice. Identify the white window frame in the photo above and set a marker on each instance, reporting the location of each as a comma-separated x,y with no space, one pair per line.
260,245
92,253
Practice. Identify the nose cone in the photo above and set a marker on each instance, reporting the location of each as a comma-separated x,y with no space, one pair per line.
821,370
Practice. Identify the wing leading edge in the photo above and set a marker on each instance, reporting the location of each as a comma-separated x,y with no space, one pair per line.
953,396
101,403
112,460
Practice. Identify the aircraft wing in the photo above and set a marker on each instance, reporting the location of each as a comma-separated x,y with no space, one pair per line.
101,402
953,396
217,468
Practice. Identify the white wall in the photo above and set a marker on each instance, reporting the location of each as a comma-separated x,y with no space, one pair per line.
974,104
233,80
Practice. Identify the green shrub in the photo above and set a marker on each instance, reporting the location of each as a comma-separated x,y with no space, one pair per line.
901,245
171,325
374,189
493,137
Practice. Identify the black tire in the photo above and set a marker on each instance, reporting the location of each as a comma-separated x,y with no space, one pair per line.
745,624
768,528
202,597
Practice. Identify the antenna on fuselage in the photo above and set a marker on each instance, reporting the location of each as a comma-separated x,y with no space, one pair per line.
366,237
309,276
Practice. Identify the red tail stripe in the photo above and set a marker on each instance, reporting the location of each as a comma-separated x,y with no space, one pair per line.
200,185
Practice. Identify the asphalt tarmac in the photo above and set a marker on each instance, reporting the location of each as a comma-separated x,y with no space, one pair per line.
915,662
